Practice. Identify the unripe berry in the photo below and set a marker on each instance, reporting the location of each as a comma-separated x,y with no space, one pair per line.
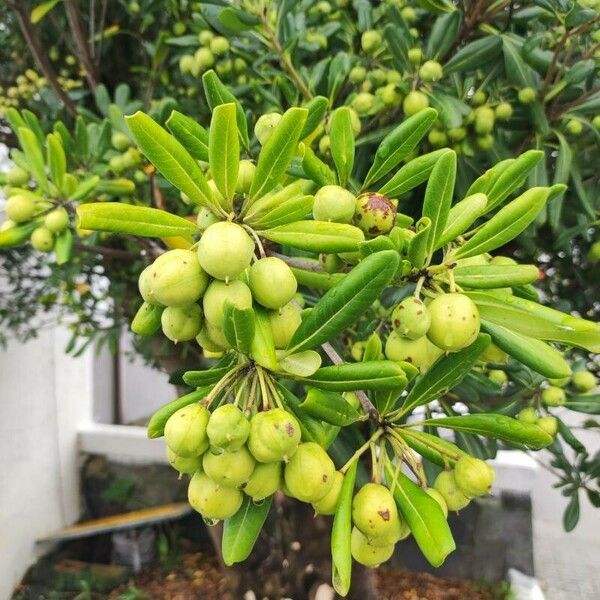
584,381
596,121
456,134
445,484
205,219
185,430
328,504
17,176
553,396
548,424
378,76
20,208
479,97
264,481
205,36
484,120
559,382
120,141
231,468
224,67
420,352
528,415
527,95
504,111
324,144
410,318
437,139
365,553
309,474
485,142
211,500
473,476
184,464
409,14
245,176
57,220
415,55
42,239
374,512
274,435
389,94
363,103
454,322
332,263
357,74
204,59
265,125
431,70
181,323
415,102
272,282
370,41
574,127
228,428
393,76
218,293
498,376
284,323
219,45
374,213
334,203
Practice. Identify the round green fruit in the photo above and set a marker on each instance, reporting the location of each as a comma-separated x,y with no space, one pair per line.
484,120
272,282
265,125
374,512
365,553
184,464
553,396
498,376
230,469
274,435
374,213
479,97
211,500
528,415
454,322
473,476
42,239
439,499
363,103
284,323
328,504
527,95
204,59
264,481
410,318
332,263
493,354
205,219
245,176
57,220
176,279
334,203
370,41
219,45
218,293
181,323
584,381
431,70
420,352
19,208
415,102
17,176
185,430
228,428
225,250
309,474
205,36
548,424
503,111
560,382
574,127
446,485
120,141
415,55
357,74
187,64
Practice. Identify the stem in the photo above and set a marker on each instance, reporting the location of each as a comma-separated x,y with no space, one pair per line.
263,389
83,51
221,385
298,262
274,391
253,233
252,395
361,450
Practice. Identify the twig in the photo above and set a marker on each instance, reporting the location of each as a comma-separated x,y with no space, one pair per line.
83,51
298,262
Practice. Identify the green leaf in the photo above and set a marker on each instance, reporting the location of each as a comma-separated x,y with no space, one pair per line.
444,33
302,364
316,169
16,235
371,375
461,216
33,155
241,531
135,220
438,196
474,55
342,143
418,248
571,514
495,276
274,200
399,144
317,279
238,327
287,212
317,108
85,188
329,407
533,353
585,403
63,247
340,535
423,515
341,305
41,10
446,373
224,151
156,426
483,183
276,154
171,159
496,426
435,449
398,39
262,349
208,376
316,236
57,161
506,224
192,136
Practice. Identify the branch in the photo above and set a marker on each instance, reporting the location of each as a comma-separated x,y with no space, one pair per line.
83,51
30,35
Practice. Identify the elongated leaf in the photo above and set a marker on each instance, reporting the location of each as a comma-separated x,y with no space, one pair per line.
206,377
156,426
317,170
316,236
341,305
241,531
238,327
340,535
438,196
586,403
41,10
317,279
171,159
372,375
571,514
33,154
398,39
474,55
272,201
495,276
484,183
57,161
399,144
317,108
423,515
262,349
224,150
342,143
288,211
419,244
191,135
436,449
302,364
443,34
497,426
329,407
13,236
135,220
461,216
63,247
276,154
444,374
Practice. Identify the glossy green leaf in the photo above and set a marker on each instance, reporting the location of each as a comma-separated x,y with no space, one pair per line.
191,135
495,276
443,34
85,188
241,531
238,327
317,279
423,515
224,151
447,372
316,169
329,407
341,305
16,235
497,426
57,161
398,38
435,449
277,152
33,154
317,108
571,514
342,143
301,364
63,247
262,348
419,244
585,403
41,10
289,211
399,144
274,200
484,182
460,217
135,220
474,55
373,348
156,425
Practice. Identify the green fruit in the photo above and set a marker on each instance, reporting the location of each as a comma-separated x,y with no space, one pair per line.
331,263
415,102
410,318
594,252
357,74
446,485
147,319
363,103
437,139
389,94
205,219
17,176
548,424
527,95
245,176
454,322
498,376
473,476
274,435
374,213
393,76
212,500
420,352
370,41
309,474
120,141
584,381
328,504
264,481
181,323
553,396
324,144
19,208
225,250
596,121
206,342
559,382
265,125
415,55
239,65
374,512
528,415
185,430
409,14
284,323
431,70
217,293
574,127
503,111
42,239
484,120
228,428
479,97
184,464
217,336
176,279
229,468
334,203
378,76
272,282
57,220
367,554
145,285
439,499
205,36
219,45
204,59
456,134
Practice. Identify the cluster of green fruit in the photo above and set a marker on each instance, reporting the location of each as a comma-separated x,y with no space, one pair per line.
127,157
26,85
25,207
